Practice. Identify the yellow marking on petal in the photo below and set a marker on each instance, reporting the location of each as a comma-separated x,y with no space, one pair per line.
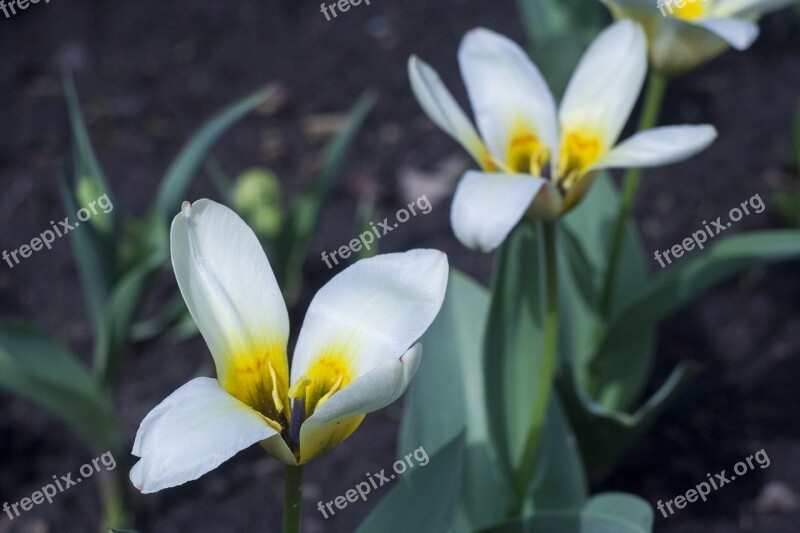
330,392
487,162
276,399
274,425
578,152
331,372
499,165
576,193
333,434
328,374
298,389
258,375
526,153
692,9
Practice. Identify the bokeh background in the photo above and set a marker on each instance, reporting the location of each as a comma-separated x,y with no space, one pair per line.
149,72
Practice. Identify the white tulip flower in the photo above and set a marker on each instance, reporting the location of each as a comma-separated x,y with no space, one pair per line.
536,160
683,34
353,356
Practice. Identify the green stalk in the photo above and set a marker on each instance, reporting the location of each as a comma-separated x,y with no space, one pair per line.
113,488
545,385
293,499
654,98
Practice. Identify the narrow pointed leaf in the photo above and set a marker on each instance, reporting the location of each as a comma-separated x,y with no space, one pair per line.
175,184
617,430
615,366
42,371
605,513
86,165
294,240
95,266
451,375
514,342
425,498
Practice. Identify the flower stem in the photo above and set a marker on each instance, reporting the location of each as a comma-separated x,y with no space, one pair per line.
545,377
293,499
113,488
654,98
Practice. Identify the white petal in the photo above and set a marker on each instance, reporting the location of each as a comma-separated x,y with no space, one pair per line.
659,146
740,34
606,84
486,207
507,91
277,447
373,391
442,108
196,429
373,310
227,283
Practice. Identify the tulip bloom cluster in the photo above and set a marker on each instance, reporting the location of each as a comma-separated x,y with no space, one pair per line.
692,32
354,354
358,348
538,161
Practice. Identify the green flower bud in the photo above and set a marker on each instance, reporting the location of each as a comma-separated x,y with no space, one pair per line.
256,197
89,196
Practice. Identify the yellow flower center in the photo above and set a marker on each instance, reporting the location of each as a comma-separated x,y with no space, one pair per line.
327,375
690,9
578,152
526,154
258,378
331,372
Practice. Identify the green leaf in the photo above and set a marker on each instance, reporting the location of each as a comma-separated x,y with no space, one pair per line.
88,173
38,369
451,375
560,482
591,225
513,341
604,513
788,206
617,430
123,304
294,240
589,228
579,320
451,365
93,259
559,31
175,185
169,314
557,58
587,276
366,213
545,20
617,365
425,498
627,507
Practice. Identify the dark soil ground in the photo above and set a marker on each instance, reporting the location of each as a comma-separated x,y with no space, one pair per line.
148,72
